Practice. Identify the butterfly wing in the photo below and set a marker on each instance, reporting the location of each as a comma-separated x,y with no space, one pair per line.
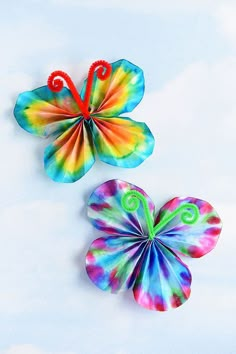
106,213
162,280
42,112
121,141
190,240
71,155
111,260
119,93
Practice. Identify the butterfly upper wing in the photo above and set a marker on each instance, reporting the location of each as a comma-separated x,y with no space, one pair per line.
111,260
162,280
71,155
121,141
191,240
119,93
42,112
106,212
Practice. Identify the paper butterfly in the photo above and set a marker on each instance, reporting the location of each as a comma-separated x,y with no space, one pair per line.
89,120
141,249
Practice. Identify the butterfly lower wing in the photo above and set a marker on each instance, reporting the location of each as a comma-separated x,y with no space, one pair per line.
106,212
118,94
71,155
121,141
42,112
162,280
191,240
111,260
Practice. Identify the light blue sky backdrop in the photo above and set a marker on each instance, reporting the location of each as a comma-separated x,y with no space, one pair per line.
188,52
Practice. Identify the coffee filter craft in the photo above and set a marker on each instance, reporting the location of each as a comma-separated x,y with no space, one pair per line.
141,249
81,124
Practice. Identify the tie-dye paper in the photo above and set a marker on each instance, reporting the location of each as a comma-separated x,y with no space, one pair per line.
126,257
119,141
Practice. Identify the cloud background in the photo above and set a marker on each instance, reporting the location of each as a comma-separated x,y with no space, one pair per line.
187,50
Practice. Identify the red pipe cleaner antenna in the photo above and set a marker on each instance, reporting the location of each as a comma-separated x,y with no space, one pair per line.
55,83
103,72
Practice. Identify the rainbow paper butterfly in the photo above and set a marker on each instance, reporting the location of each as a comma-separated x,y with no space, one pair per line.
89,120
141,248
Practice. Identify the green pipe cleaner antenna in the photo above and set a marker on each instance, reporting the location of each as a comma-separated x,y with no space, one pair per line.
132,199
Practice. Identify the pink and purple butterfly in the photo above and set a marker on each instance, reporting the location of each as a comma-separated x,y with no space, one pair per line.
141,249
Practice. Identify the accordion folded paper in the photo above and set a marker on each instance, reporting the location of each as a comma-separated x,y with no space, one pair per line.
141,249
89,121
